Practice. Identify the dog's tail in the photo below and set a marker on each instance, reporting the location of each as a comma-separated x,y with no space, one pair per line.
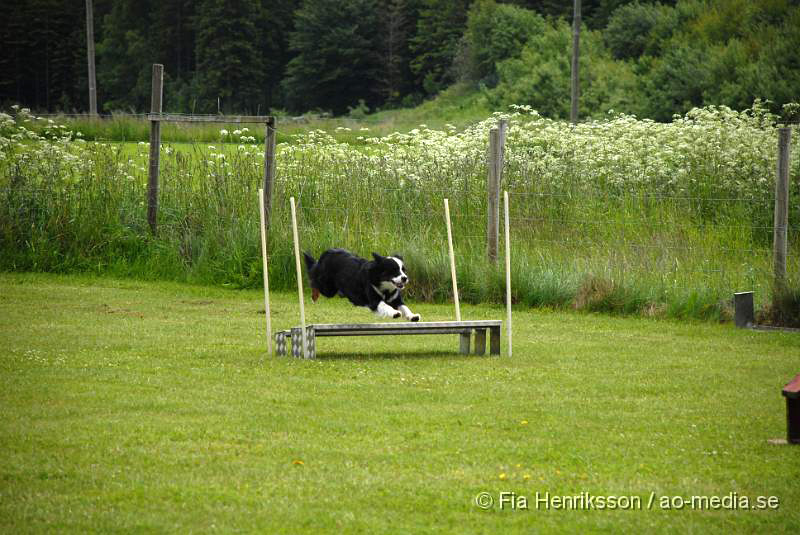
310,262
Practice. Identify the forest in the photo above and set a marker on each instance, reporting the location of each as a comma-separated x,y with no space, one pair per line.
651,59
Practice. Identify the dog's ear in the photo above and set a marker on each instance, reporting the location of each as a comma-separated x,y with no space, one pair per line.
377,257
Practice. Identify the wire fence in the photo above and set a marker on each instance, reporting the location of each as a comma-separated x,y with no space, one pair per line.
663,223
576,239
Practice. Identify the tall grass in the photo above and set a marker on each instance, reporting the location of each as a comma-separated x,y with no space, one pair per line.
622,216
122,127
458,105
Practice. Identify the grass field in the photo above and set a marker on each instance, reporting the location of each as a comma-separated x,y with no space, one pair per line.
140,407
459,105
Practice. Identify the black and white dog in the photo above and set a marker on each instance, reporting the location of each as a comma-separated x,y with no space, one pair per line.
376,284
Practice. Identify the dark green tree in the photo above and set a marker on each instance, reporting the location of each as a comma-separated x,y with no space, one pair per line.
173,32
124,57
439,28
724,53
496,32
675,82
594,13
229,73
637,29
338,61
274,25
395,55
42,50
540,75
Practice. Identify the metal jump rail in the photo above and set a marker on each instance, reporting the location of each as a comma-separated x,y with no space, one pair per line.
462,328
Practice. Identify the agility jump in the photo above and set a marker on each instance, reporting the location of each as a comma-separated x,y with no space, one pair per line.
303,337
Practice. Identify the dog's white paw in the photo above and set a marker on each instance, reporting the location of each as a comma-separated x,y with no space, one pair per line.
410,316
385,311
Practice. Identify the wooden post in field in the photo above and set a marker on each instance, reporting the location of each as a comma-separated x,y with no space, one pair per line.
266,270
508,270
269,168
493,184
303,333
576,37
452,258
90,59
502,125
744,312
155,147
780,237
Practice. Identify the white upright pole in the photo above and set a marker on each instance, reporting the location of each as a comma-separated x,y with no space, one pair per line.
266,270
452,259
508,273
299,275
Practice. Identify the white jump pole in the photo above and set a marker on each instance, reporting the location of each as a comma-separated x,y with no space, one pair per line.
452,259
266,270
508,272
299,275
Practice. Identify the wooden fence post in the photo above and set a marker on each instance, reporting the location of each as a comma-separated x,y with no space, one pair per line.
576,37
155,147
269,168
493,186
502,125
90,59
780,236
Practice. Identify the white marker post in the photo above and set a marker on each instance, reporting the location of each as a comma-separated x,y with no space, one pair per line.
266,269
508,272
452,259
299,276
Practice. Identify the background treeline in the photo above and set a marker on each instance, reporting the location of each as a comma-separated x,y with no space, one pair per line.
249,56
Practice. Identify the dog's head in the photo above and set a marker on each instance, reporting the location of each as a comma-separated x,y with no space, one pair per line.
389,272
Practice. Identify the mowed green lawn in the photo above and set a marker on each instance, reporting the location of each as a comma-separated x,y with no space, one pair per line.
133,406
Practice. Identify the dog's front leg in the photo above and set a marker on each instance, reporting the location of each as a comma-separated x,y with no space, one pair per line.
407,314
385,311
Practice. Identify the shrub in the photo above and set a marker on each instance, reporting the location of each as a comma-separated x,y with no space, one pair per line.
496,32
540,76
636,29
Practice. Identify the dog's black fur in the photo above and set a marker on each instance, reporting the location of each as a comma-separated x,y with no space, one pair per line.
376,284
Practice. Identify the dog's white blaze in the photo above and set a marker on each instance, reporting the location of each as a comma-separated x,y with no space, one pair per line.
399,279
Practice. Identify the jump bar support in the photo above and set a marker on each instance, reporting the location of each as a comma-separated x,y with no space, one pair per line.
307,348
